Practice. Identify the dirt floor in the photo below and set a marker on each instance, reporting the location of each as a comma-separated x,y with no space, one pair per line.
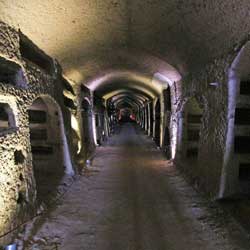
132,198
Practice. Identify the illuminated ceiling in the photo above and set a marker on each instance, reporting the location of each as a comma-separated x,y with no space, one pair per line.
104,41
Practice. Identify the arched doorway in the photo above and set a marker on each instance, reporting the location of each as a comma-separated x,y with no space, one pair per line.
50,153
151,118
99,127
167,144
167,99
87,126
192,118
167,111
147,119
157,123
235,174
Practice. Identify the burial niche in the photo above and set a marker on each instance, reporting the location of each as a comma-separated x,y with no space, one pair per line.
47,147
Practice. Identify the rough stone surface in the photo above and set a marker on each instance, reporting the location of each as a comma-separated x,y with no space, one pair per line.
132,198
17,185
214,101
123,47
83,34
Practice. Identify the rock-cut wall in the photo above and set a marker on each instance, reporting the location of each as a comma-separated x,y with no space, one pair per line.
26,74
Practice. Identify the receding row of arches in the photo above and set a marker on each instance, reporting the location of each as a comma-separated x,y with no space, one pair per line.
178,128
51,156
49,145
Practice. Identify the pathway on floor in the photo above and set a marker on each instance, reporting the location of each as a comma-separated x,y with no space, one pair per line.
133,199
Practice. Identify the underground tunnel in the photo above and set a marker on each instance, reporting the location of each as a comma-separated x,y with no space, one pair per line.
124,124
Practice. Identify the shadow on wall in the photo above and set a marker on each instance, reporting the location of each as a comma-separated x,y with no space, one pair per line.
157,129
49,147
190,132
167,113
87,124
235,175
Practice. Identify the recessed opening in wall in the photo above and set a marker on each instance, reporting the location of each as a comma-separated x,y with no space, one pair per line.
167,144
33,54
21,177
86,122
245,88
46,146
242,144
21,198
166,140
167,99
100,126
151,118
193,119
193,135
7,118
157,123
67,86
11,73
147,117
192,152
242,135
37,116
244,172
96,120
69,103
242,116
19,157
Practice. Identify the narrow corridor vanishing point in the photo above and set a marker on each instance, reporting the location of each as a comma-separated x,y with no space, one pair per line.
155,94
132,198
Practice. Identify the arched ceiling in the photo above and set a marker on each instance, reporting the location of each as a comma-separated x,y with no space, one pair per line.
138,98
127,103
89,37
134,96
121,84
129,99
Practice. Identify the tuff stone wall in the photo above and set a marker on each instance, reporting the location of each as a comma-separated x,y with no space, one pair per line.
83,94
209,87
17,183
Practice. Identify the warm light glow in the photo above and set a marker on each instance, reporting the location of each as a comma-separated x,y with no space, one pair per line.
79,145
75,127
144,82
73,74
74,123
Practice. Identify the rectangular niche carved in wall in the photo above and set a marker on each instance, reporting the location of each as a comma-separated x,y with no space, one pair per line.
7,118
42,150
38,134
33,54
245,88
242,136
242,116
11,73
37,116
67,86
69,103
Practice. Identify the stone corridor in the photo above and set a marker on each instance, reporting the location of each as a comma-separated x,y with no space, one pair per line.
132,198
124,124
